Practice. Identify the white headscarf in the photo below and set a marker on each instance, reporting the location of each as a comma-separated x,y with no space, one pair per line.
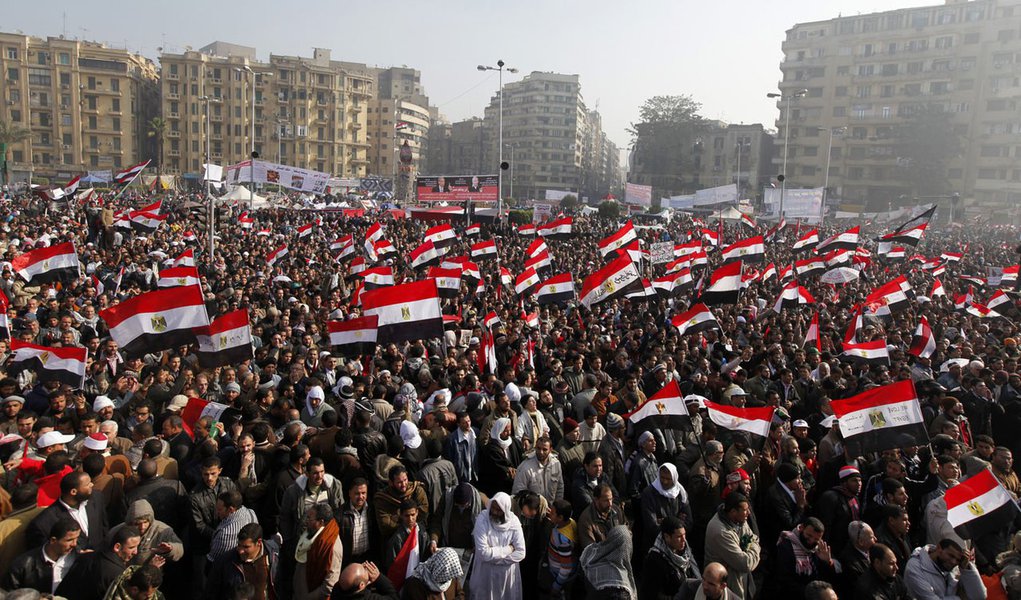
409,433
502,500
674,491
498,426
317,393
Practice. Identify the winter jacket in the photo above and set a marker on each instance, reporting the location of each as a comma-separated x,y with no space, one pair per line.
158,533
292,508
925,579
735,547
226,573
91,576
203,512
388,507
546,480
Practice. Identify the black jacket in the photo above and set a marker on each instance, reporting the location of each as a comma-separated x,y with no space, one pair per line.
663,580
202,501
495,465
382,589
30,570
346,523
39,529
777,513
871,587
226,574
91,576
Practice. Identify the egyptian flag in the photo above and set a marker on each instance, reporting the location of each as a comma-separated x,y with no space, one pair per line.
857,322
305,231
768,273
374,232
471,272
378,277
809,266
97,283
937,289
72,187
383,249
882,418
952,256
748,220
643,293
980,505
558,289
1009,278
121,220
751,250
425,255
673,284
938,271
847,240
981,311
344,245
5,327
178,277
128,175
909,229
753,422
807,242
621,238
410,311
712,236
539,261
357,267
354,337
889,297
696,320
791,296
484,250
774,230
526,282
441,235
908,237
274,257
190,237
264,232
618,278
472,230
246,221
695,259
932,263
724,285
692,247
663,410
226,341
51,263
491,320
196,408
786,272
871,353
145,221
156,320
65,364
1002,304
537,246
448,281
531,320
506,278
526,229
896,252
923,344
186,259
812,335
838,257
557,230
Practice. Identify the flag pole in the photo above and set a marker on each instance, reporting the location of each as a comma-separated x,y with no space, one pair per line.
128,184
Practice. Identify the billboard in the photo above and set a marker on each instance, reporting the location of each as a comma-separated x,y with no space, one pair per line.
442,188
556,195
797,203
294,178
638,194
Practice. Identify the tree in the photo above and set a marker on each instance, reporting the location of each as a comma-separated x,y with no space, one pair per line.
609,209
158,131
569,202
667,143
9,135
925,143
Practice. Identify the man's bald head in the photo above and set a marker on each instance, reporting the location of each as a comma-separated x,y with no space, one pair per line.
353,578
715,571
714,581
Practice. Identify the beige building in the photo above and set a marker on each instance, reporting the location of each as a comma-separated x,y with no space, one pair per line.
865,76
399,113
457,148
87,106
309,112
731,153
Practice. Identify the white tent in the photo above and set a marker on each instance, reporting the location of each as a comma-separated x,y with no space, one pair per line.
241,194
727,214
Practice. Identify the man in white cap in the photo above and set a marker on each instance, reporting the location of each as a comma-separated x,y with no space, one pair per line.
799,429
104,407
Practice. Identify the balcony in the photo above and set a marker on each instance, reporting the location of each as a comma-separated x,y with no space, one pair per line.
174,115
173,152
173,96
173,76
173,134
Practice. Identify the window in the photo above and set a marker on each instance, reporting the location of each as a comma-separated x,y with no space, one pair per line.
866,70
115,105
90,102
886,91
945,42
864,91
64,58
971,38
65,120
44,119
116,123
66,139
42,58
39,77
117,143
839,111
92,122
890,69
12,74
65,79
12,54
844,70
115,85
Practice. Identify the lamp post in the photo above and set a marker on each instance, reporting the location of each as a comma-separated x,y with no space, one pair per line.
395,159
511,192
786,136
209,184
281,131
500,67
826,177
740,150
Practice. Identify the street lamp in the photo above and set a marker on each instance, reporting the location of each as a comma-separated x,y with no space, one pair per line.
251,170
826,177
209,184
395,159
786,137
740,150
511,146
499,178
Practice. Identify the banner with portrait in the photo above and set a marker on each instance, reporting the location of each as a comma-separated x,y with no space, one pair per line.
456,188
294,178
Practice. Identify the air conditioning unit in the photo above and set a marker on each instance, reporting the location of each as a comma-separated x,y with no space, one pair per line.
67,146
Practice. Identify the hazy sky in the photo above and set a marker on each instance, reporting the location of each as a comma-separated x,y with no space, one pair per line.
724,53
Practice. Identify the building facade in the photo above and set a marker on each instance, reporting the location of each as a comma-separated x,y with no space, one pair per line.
87,107
308,112
399,113
458,148
857,87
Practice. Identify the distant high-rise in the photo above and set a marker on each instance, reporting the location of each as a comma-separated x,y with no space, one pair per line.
399,113
921,102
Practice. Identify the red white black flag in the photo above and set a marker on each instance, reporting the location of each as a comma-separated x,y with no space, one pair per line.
979,505
65,364
51,263
483,250
558,229
410,311
377,277
696,320
792,296
178,277
621,238
724,285
753,422
128,175
226,341
807,242
847,240
923,344
872,353
883,418
274,257
750,250
354,337
441,235
558,289
812,335
615,279
663,410
156,320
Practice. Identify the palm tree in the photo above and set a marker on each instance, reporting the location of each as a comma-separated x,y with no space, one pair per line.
9,135
158,130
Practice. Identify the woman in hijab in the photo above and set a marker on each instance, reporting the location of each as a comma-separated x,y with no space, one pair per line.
531,424
671,560
438,578
607,567
499,459
499,547
666,497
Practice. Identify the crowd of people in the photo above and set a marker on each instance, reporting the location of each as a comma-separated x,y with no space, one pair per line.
421,472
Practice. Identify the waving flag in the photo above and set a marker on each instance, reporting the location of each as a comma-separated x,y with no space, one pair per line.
663,410
305,230
692,247
441,235
145,221
753,422
354,337
274,257
245,221
807,242
558,229
538,246
923,344
526,229
872,353
882,418
812,335
750,250
747,220
377,277
889,297
374,232
383,249
768,273
809,266
186,259
484,250
712,236
64,364
526,282
410,311
847,240
673,284
696,320
472,230
980,505
225,341
178,277
128,175
724,285
50,263
448,281
156,320
937,289
621,238
792,295
357,267
618,278
558,289
426,255
539,261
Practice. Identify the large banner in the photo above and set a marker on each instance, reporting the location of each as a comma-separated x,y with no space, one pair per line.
638,194
556,195
797,203
289,177
542,212
724,194
678,202
477,188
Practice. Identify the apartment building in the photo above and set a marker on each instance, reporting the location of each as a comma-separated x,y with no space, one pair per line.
399,113
457,148
87,106
854,85
308,112
734,153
